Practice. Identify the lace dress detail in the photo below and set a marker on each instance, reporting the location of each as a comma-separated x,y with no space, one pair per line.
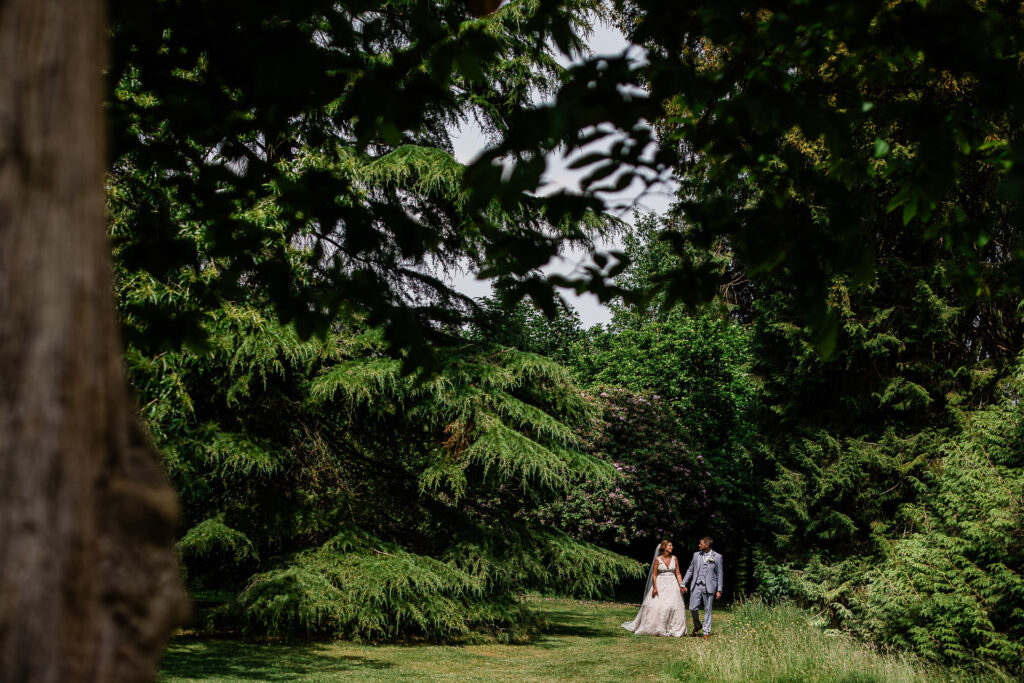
664,615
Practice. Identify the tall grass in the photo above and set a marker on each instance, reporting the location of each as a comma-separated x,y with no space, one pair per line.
781,644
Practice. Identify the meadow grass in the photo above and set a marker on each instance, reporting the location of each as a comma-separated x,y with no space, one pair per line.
781,644
582,642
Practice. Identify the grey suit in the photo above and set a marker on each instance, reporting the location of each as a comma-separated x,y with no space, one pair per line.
703,578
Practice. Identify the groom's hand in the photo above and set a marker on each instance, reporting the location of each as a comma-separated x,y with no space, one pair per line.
718,595
682,588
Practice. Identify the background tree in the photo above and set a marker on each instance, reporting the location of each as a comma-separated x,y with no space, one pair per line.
700,362
519,325
907,96
952,587
327,494
858,166
855,164
664,490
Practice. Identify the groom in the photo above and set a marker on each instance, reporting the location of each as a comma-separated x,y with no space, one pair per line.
704,578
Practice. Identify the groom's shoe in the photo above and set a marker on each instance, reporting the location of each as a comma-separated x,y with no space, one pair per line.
707,636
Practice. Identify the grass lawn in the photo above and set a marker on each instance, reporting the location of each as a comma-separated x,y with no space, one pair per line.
583,643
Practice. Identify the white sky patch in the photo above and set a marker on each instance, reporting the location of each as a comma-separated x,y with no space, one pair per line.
469,141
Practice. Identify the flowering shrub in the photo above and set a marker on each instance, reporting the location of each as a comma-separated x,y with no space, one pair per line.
663,491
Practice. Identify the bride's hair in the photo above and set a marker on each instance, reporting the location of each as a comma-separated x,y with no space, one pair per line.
664,544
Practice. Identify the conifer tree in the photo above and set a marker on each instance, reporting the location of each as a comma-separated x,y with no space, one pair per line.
328,493
310,468
244,130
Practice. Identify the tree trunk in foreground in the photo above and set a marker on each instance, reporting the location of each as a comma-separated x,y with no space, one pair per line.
89,584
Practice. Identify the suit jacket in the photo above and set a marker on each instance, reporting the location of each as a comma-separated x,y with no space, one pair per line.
711,571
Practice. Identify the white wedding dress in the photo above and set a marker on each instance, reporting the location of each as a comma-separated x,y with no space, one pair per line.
664,615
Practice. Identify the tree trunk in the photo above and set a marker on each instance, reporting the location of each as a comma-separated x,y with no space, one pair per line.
89,584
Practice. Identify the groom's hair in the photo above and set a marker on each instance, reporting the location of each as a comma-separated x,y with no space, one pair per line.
708,540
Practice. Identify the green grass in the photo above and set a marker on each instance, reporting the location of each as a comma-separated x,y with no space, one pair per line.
782,645
582,643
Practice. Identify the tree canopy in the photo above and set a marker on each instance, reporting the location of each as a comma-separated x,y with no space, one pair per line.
304,150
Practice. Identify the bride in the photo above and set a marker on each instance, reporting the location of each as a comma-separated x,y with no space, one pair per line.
663,612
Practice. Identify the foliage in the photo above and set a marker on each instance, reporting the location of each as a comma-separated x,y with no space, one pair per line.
304,150
847,442
808,140
663,491
833,499
280,171
850,188
362,588
866,512
852,442
882,268
521,326
953,589
852,167
698,363
332,495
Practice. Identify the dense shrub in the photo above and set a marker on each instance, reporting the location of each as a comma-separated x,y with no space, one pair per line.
664,490
953,589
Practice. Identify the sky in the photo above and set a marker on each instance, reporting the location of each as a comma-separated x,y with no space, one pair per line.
469,141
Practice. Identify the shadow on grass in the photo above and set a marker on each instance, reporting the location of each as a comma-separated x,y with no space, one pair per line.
560,623
201,659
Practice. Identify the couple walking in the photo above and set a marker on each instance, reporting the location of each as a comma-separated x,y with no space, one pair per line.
663,612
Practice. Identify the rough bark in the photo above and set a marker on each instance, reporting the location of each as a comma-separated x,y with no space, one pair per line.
89,585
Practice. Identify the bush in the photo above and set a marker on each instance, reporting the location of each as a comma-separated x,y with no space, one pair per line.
664,490
365,589
954,589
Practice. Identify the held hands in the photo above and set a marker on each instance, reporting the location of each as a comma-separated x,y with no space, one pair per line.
682,589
